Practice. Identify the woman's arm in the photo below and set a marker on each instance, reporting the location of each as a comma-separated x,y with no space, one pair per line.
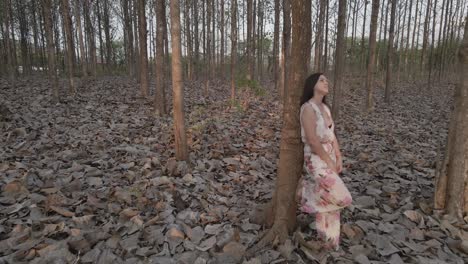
309,119
339,158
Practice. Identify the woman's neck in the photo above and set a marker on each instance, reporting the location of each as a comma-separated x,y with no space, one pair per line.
317,99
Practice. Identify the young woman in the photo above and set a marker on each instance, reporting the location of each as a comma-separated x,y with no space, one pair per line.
321,191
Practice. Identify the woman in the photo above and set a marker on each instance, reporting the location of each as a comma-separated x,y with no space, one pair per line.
322,191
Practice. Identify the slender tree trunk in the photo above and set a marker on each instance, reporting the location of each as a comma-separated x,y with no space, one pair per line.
431,55
23,37
90,37
407,50
276,44
325,57
260,41
10,65
340,59
221,53
197,37
160,94
107,29
319,36
363,50
101,42
250,37
233,49
213,40
69,36
388,84
177,84
413,49
425,36
371,61
46,9
188,37
143,48
130,55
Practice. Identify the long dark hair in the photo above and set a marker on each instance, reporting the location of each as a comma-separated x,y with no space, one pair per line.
309,85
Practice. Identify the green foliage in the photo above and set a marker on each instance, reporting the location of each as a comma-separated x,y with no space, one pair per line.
251,85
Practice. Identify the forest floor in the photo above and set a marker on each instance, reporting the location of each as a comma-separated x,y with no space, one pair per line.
93,179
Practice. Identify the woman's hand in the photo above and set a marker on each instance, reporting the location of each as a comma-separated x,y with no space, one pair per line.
332,166
339,164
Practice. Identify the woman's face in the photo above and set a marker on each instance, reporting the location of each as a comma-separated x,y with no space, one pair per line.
322,85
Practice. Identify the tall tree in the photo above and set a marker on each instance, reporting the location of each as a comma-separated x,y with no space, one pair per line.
90,37
9,51
388,83
233,49
340,58
177,83
286,48
188,38
425,35
143,48
363,33
319,37
371,60
250,37
46,9
128,35
159,96
276,44
452,177
221,31
107,30
284,207
68,33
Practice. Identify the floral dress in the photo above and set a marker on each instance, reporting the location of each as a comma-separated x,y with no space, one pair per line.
322,191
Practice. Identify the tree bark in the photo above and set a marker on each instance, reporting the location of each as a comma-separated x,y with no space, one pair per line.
46,8
129,54
371,61
69,36
388,84
363,56
90,36
340,59
425,36
233,49
319,36
188,38
107,29
455,192
221,31
160,94
276,45
286,49
177,84
143,48
249,39
291,148
10,65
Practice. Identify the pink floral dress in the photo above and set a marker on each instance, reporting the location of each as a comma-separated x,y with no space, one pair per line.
322,191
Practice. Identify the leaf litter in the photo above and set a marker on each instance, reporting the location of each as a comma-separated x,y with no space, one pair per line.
93,179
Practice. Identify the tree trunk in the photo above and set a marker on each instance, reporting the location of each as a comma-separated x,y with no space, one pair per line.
319,36
177,84
286,49
9,51
107,29
363,50
233,49
46,8
101,42
188,38
339,59
160,94
291,148
196,37
276,45
249,39
325,55
221,53
431,55
143,49
90,37
371,61
24,35
391,36
453,196
425,36
129,36
68,33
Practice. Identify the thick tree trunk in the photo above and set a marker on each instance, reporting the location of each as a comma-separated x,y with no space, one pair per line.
143,49
70,49
388,84
46,9
233,49
371,61
339,59
160,94
177,84
453,195
291,147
